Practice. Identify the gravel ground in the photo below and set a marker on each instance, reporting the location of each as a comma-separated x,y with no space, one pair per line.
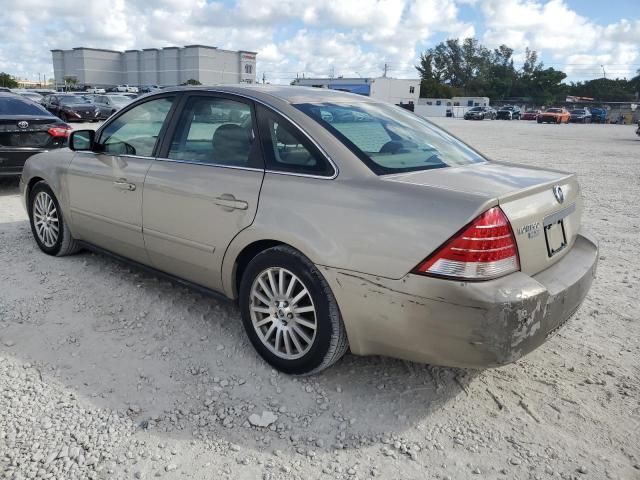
107,372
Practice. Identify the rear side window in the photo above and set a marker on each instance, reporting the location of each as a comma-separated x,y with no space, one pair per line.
136,131
287,149
18,106
216,131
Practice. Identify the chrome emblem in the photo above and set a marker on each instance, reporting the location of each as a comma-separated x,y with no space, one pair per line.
558,193
23,124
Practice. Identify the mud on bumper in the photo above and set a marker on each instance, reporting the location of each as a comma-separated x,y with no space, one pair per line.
463,324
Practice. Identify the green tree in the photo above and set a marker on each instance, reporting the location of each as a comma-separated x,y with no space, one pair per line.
192,81
7,80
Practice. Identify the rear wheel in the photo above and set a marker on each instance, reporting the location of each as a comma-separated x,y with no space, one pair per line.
290,313
47,223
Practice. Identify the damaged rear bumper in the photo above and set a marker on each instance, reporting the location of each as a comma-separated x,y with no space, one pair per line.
462,324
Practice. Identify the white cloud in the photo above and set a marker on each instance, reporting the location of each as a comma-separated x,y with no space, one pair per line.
570,41
350,37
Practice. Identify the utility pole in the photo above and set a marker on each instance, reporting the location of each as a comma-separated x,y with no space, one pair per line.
332,72
604,74
264,78
386,67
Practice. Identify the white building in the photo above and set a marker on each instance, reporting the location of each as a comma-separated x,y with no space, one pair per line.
437,107
392,90
153,66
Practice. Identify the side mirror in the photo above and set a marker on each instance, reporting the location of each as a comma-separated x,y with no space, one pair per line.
83,141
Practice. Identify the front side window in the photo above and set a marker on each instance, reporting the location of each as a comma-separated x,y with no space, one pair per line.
287,149
389,139
136,131
217,131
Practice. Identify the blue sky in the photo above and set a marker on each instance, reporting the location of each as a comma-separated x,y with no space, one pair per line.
347,37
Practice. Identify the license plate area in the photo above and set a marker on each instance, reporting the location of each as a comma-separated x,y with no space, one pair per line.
555,236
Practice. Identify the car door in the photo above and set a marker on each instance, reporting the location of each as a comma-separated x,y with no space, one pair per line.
203,188
105,188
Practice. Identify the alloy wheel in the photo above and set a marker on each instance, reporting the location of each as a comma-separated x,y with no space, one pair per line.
282,313
45,219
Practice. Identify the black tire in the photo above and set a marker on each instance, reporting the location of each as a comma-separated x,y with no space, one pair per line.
330,342
65,243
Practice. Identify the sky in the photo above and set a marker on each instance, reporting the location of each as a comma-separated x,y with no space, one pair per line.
324,37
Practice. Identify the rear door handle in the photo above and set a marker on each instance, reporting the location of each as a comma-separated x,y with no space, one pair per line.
121,185
229,202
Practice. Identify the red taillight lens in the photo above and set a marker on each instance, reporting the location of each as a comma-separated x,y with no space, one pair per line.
484,249
60,131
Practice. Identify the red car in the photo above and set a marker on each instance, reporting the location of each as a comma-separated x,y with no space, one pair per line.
530,115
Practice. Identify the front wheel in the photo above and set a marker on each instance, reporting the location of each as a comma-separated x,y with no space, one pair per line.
290,313
47,223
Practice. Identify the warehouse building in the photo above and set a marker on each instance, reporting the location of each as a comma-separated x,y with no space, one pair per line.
153,66
392,90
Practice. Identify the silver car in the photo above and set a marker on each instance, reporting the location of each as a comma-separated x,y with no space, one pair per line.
335,221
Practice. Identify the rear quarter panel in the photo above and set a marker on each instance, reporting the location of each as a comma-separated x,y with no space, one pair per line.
367,225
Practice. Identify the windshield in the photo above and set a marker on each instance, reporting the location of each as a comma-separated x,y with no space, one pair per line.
119,99
506,108
476,109
74,100
577,112
555,110
388,139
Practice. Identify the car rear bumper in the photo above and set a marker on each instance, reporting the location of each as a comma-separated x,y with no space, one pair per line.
12,160
462,324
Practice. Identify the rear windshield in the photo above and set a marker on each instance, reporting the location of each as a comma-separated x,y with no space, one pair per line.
389,139
74,100
18,106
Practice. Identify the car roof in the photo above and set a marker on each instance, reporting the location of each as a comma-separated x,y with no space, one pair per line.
286,93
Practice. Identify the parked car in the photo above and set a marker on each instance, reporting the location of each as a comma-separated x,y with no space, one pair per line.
508,112
126,88
26,128
149,88
580,115
530,115
33,96
598,115
5,90
480,113
72,108
282,206
95,90
110,104
554,115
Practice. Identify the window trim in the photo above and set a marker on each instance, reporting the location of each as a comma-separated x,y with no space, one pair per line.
167,121
316,150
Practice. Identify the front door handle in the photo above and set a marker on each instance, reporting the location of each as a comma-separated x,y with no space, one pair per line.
122,185
229,202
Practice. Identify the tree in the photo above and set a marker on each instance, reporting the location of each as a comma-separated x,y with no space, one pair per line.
70,82
7,80
192,81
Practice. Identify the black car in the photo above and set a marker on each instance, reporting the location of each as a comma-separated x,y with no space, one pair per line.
508,112
110,104
72,108
480,113
580,115
26,128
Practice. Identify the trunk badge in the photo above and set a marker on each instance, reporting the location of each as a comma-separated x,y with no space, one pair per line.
558,193
23,124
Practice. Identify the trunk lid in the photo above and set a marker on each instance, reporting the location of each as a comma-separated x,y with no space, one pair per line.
544,227
34,135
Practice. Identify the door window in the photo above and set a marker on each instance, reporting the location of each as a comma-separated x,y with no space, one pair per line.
136,131
287,149
216,131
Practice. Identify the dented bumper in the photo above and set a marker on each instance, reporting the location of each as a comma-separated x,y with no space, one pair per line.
462,324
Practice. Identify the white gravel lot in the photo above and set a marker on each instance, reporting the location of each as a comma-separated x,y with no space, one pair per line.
108,372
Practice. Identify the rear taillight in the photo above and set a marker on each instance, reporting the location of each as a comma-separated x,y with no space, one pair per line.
60,131
484,249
